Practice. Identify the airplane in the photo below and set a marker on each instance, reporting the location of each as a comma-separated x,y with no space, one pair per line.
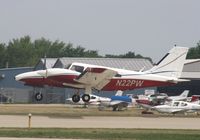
94,100
182,97
85,76
119,102
194,99
149,101
177,106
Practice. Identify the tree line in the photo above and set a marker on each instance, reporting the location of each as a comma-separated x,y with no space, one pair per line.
24,52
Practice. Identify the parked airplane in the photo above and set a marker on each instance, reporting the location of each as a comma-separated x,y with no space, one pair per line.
182,97
177,106
118,101
147,102
88,77
94,100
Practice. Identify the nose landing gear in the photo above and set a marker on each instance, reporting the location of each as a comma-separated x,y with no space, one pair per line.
38,96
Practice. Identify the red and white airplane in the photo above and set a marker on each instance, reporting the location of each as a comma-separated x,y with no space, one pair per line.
88,77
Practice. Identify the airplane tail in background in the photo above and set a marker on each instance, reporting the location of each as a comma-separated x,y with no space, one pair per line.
184,93
119,93
172,63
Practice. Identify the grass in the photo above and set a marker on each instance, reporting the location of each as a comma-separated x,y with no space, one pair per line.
61,110
137,134
86,133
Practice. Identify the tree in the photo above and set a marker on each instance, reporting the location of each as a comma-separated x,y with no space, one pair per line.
128,55
194,52
24,52
20,52
2,55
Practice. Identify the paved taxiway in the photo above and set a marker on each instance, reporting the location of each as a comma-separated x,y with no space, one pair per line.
101,122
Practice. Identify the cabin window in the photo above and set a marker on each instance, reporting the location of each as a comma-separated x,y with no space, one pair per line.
92,97
176,104
183,104
118,75
77,68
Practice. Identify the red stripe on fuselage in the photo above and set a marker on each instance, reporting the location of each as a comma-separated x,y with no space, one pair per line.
130,84
64,78
40,82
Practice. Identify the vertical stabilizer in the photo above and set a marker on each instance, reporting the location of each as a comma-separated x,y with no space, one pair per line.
119,93
172,63
184,93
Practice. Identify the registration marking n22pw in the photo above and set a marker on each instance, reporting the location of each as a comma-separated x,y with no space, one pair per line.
129,83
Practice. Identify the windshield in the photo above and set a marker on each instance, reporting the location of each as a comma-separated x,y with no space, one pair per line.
77,68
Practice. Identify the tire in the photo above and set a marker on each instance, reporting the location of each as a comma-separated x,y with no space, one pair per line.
38,96
86,98
75,98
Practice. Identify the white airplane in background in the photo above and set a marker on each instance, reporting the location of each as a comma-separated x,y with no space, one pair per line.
94,100
182,97
89,77
176,107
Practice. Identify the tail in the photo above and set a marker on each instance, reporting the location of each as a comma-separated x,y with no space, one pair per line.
119,93
185,93
172,63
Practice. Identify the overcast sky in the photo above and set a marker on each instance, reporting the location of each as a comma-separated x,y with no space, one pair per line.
147,27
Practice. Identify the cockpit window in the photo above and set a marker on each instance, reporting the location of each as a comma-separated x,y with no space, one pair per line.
77,68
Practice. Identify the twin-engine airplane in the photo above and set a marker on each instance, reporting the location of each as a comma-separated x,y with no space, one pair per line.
88,77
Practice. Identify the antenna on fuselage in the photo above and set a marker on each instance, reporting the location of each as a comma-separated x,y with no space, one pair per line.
45,61
45,64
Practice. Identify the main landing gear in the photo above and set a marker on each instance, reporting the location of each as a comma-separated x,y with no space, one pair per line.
85,97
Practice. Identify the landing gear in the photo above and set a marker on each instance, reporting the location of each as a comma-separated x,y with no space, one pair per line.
86,97
76,98
38,96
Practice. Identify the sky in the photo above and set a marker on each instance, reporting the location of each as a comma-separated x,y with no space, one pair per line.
147,27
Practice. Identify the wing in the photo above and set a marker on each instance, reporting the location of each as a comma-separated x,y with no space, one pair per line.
178,110
96,77
118,103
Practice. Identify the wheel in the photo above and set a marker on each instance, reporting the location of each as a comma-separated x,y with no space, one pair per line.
75,98
86,97
114,108
38,96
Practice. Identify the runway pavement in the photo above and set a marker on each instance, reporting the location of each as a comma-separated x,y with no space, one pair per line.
101,122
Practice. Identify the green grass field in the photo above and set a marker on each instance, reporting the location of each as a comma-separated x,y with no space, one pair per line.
62,110
134,134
